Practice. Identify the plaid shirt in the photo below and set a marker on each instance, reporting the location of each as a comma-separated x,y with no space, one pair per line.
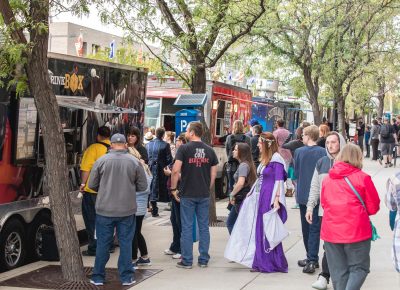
392,201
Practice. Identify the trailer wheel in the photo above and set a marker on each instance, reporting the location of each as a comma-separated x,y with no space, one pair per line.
35,239
221,185
12,245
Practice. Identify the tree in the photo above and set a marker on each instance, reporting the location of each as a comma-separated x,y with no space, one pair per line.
19,18
199,32
357,42
300,31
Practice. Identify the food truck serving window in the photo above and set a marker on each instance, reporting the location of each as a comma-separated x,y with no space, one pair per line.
223,119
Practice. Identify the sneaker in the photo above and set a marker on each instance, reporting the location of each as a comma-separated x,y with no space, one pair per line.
390,164
143,262
386,165
296,206
169,252
155,215
87,253
302,263
202,265
183,266
310,267
380,161
321,283
129,283
135,266
96,283
177,256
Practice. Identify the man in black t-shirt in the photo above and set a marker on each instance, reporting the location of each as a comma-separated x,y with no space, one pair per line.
196,162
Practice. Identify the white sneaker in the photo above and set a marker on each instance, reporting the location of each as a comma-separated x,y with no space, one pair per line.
321,283
176,256
129,283
96,283
169,252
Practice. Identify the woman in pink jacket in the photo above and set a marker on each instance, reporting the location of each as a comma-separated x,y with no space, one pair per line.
346,228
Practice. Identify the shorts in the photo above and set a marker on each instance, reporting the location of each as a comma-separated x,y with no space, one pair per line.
387,148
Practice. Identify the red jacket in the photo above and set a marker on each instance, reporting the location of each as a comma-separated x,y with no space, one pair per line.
345,219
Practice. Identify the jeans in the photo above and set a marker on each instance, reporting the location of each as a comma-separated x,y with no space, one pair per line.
105,230
176,227
349,264
232,217
138,240
310,233
89,218
200,207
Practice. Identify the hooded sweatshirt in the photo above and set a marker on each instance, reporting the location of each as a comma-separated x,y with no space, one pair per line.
320,172
345,218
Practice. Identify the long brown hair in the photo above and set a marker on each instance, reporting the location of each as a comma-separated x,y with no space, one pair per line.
244,155
269,145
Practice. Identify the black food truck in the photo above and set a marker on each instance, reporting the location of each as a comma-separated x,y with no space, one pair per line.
90,94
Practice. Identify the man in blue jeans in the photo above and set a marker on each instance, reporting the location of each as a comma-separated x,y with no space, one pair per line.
196,162
116,177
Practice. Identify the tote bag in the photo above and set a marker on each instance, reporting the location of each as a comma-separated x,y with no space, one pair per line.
274,229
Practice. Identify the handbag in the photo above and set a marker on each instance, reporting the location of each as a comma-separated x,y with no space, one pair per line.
375,235
274,229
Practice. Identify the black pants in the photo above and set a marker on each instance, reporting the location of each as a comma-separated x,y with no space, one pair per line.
176,227
325,268
89,218
361,142
375,153
138,240
367,147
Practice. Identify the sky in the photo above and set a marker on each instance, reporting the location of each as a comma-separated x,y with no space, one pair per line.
91,21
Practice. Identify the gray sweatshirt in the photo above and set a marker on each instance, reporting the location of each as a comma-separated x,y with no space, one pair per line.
116,177
321,171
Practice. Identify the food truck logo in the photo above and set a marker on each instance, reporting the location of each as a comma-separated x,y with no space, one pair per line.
73,82
69,81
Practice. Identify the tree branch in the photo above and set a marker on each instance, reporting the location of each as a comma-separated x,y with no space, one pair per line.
9,20
234,38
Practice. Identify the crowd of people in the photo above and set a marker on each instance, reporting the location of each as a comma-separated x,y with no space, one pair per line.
123,179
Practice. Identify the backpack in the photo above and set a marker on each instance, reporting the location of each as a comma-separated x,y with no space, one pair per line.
232,143
385,131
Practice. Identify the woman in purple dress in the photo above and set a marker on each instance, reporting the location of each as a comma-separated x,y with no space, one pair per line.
248,244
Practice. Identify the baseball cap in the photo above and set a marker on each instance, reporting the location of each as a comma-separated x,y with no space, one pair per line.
253,122
118,138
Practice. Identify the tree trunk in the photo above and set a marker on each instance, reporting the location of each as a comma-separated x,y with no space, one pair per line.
381,106
54,147
313,92
340,101
198,80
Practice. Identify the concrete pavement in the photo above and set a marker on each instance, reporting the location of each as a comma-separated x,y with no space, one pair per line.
224,275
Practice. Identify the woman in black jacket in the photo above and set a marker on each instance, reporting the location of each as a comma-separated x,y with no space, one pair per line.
134,140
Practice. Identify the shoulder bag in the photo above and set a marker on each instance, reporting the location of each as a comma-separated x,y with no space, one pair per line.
375,235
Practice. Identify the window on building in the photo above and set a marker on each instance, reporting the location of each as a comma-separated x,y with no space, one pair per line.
84,48
95,48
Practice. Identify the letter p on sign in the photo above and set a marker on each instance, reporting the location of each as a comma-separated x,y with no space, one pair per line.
183,125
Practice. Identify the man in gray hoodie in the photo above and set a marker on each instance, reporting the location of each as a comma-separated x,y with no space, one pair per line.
116,177
334,143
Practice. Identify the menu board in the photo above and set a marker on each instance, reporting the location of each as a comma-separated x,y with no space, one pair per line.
27,121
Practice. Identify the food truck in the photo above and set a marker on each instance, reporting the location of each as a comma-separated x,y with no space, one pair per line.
90,94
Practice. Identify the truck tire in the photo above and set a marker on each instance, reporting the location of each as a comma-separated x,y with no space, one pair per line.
221,185
12,245
41,221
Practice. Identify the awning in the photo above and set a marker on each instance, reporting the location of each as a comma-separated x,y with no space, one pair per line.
166,93
82,103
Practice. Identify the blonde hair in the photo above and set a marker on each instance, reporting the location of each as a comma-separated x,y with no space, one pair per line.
270,147
170,136
324,130
312,131
238,127
352,155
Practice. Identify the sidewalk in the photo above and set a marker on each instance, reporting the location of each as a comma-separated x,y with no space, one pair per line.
223,275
